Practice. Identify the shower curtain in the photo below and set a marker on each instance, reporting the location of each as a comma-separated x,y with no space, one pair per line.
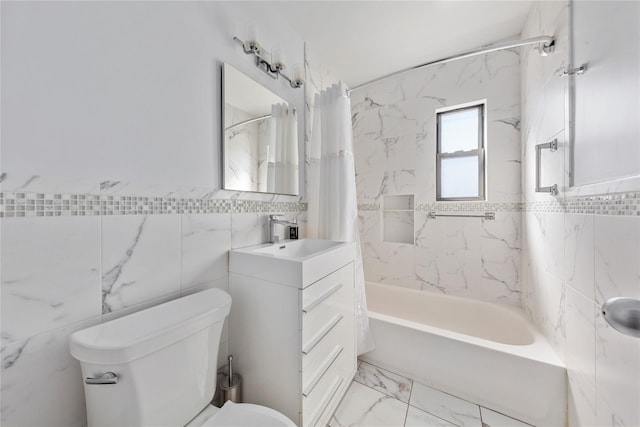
333,206
282,152
265,132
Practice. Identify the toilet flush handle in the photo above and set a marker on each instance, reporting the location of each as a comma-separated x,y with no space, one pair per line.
107,378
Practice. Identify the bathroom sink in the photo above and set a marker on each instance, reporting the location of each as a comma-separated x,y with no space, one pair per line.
298,249
295,263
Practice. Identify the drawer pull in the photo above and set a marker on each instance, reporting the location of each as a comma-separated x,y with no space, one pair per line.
321,298
322,370
323,332
325,401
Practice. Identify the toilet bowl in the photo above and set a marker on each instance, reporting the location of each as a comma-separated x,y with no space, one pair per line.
240,415
158,367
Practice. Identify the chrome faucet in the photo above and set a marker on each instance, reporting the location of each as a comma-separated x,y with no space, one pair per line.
273,220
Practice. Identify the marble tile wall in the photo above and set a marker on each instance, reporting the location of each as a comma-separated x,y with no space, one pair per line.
394,135
579,248
65,273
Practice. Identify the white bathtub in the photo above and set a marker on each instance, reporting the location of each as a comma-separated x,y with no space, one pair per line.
486,353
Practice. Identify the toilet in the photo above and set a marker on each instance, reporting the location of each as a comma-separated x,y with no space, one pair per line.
158,367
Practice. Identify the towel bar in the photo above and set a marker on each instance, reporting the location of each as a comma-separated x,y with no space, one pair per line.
551,146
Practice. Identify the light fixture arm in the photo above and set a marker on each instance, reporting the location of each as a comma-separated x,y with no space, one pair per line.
274,70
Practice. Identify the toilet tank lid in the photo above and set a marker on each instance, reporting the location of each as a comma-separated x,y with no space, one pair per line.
135,335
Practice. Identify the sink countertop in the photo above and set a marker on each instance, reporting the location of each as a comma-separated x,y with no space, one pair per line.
295,263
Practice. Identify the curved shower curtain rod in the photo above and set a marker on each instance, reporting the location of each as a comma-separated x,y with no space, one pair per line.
546,42
246,122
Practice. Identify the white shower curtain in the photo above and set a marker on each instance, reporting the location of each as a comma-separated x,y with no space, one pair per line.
333,205
282,154
265,136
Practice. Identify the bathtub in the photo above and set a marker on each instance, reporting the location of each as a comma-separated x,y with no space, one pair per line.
486,353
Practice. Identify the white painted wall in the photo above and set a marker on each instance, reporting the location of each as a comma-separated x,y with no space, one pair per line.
126,91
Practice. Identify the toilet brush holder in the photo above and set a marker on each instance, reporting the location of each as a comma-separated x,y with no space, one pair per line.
233,391
229,385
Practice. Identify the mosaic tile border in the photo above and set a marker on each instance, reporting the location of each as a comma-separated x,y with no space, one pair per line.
369,207
468,207
627,204
48,205
454,207
550,206
18,204
606,204
600,204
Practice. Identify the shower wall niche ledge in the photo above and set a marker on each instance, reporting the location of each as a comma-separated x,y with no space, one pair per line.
397,218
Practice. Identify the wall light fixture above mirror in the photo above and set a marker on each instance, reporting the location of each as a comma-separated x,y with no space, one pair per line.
260,137
271,65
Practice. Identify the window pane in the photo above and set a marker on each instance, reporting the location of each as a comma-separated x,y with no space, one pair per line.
459,177
459,130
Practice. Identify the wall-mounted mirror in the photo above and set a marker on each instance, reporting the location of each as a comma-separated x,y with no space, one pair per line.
605,95
260,137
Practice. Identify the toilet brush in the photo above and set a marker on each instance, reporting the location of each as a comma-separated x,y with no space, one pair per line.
229,386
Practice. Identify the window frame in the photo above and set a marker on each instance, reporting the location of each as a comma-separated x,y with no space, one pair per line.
478,152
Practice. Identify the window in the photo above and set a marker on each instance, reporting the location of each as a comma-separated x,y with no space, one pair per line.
460,153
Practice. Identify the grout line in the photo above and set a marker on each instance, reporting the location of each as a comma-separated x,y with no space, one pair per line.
410,392
498,412
438,416
406,415
452,395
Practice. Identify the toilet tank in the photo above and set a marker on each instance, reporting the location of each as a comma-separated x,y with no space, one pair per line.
165,358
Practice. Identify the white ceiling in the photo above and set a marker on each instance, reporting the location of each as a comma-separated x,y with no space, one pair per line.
362,40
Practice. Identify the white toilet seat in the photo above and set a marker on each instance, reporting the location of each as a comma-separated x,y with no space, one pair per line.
240,415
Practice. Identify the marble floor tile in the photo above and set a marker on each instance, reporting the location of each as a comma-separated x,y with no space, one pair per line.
384,381
364,406
377,398
495,419
445,406
418,418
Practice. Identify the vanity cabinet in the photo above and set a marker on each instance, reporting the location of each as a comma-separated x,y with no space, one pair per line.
294,345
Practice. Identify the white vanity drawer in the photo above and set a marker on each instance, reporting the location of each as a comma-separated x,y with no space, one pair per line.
324,300
319,391
341,333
